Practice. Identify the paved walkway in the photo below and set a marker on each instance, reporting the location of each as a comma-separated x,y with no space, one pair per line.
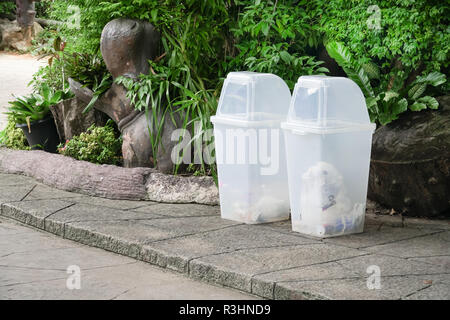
392,259
16,71
34,265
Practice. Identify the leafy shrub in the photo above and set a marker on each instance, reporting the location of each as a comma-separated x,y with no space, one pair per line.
8,8
414,33
13,137
273,37
97,145
399,63
398,66
42,8
389,98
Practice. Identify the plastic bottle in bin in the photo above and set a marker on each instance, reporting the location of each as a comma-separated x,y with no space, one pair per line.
328,141
250,149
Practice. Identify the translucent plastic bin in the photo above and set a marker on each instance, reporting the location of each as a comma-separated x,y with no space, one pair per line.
328,141
250,149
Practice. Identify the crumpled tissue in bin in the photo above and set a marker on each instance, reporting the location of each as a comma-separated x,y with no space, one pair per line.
324,201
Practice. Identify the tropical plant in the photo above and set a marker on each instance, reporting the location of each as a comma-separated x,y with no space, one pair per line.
87,69
97,145
393,94
27,109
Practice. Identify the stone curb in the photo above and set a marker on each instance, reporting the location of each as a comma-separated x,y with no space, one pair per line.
108,181
192,268
266,260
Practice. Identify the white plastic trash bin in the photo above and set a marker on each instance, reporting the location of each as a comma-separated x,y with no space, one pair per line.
250,149
328,141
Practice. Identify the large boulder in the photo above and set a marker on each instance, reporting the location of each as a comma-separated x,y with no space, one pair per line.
410,165
12,36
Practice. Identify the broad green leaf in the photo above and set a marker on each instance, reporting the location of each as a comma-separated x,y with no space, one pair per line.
417,106
389,95
433,78
339,53
417,90
430,102
285,56
400,106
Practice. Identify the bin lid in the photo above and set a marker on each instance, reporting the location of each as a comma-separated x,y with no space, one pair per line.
322,104
252,97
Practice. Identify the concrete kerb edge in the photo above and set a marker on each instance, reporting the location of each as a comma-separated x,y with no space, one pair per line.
192,268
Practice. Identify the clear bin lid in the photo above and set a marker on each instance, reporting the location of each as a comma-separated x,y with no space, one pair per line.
251,96
322,103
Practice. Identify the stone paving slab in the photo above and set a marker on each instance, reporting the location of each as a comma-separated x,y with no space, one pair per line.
180,210
420,247
351,288
12,179
268,260
14,192
33,266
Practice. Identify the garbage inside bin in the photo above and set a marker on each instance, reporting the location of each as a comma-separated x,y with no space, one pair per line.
328,140
250,149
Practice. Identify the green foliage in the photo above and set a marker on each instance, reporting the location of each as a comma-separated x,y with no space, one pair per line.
8,8
416,33
43,8
13,137
273,37
97,145
354,71
87,69
389,98
399,63
398,66
27,109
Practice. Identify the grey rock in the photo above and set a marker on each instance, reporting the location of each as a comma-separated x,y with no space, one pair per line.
37,29
177,189
12,35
